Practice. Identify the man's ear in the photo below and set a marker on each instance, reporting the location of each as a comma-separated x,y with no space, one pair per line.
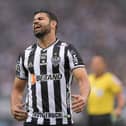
53,24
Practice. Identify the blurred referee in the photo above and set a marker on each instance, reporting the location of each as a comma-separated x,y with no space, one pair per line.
47,68
105,87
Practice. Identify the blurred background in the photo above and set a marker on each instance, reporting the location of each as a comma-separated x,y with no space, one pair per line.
92,26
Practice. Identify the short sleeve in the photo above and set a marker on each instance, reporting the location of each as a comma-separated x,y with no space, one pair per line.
21,72
116,85
75,61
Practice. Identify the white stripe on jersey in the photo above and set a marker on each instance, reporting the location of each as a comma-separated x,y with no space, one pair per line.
50,86
70,59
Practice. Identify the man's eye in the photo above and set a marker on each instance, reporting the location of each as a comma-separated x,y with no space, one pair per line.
40,18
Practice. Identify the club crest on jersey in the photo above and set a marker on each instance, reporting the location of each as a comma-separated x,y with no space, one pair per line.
55,60
30,65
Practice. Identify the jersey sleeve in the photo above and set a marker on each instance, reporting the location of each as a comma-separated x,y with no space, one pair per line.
116,85
21,71
75,61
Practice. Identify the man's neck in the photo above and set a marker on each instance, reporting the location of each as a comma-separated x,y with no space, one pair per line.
100,74
47,40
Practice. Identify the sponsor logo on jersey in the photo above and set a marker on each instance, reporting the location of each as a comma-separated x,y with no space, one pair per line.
46,77
55,60
47,115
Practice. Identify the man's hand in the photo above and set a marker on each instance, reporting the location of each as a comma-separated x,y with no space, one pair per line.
82,80
18,112
17,98
78,103
117,112
120,104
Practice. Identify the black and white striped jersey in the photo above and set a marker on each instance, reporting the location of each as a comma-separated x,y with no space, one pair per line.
49,75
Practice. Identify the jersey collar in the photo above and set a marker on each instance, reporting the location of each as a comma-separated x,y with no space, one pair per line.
57,40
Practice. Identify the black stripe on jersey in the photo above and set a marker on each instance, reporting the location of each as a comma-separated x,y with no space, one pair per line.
33,87
44,88
57,88
66,66
67,77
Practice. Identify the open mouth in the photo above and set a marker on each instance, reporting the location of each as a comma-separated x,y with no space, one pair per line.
37,27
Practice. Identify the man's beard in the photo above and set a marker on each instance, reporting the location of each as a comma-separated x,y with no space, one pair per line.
41,33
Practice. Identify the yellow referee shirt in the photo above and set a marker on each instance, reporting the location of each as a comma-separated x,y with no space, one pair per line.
103,90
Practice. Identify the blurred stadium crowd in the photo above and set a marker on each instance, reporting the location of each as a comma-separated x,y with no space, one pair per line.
93,26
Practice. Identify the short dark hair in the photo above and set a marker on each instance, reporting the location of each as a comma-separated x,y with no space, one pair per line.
50,14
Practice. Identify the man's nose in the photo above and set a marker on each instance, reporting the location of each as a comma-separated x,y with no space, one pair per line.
36,21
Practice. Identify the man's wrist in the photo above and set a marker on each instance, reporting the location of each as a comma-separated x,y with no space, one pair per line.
119,108
84,98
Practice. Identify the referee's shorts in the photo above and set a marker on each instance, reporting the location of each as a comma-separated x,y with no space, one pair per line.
100,120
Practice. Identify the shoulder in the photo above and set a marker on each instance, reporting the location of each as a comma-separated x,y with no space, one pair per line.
27,50
71,49
114,78
109,75
31,47
66,44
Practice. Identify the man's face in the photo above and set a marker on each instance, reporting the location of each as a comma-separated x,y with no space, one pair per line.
98,65
41,25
